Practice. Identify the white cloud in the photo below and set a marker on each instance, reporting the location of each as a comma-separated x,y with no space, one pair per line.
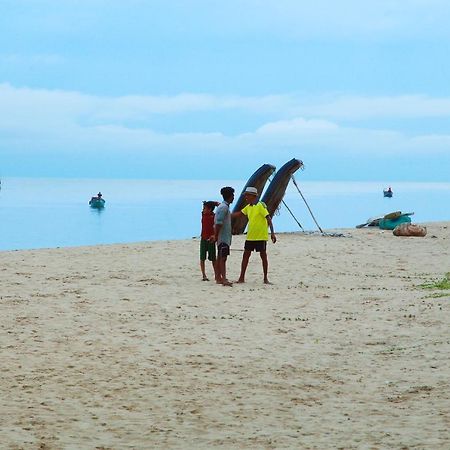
40,105
135,107
297,126
364,107
67,121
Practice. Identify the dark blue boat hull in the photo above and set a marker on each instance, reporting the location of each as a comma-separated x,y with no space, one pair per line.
257,180
277,187
97,203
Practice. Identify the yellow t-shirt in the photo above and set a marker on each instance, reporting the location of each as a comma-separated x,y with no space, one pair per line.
257,222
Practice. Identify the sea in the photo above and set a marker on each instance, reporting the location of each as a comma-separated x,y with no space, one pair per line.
49,213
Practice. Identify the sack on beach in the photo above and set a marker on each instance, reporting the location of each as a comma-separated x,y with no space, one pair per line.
410,229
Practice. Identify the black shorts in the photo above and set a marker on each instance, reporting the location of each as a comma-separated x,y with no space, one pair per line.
257,246
207,249
223,250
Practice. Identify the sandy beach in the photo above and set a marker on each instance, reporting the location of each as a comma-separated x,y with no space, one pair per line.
123,346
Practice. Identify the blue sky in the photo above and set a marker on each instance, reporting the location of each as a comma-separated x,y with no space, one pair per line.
359,90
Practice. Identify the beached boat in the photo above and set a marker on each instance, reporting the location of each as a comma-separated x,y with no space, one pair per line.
390,224
97,203
257,180
275,191
388,220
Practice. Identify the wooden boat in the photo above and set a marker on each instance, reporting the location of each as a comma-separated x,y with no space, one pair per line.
257,180
98,203
277,187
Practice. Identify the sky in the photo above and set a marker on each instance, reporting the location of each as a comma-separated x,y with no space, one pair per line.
206,89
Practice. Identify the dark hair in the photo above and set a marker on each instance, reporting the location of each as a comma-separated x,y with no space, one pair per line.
227,192
211,205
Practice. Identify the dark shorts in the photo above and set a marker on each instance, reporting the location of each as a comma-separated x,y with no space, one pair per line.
257,246
223,250
207,248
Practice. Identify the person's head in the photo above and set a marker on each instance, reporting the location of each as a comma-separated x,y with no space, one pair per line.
99,194
208,207
251,195
227,193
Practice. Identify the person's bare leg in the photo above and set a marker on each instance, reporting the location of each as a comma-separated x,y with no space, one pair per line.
215,265
225,281
219,263
244,264
202,267
265,265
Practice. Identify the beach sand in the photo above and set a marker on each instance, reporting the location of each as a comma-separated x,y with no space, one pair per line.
123,346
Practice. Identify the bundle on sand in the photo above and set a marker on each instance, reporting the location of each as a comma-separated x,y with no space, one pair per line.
390,224
410,229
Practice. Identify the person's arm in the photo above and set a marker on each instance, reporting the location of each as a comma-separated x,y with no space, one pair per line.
220,215
217,228
272,232
242,212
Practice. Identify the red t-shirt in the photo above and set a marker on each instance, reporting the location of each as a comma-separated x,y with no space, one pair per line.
207,225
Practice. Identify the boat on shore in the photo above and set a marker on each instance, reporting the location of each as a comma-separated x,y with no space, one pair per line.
258,180
387,221
277,188
390,224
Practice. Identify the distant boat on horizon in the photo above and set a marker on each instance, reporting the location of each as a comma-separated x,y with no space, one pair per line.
97,201
388,192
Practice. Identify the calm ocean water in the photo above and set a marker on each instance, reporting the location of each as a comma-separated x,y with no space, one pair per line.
42,213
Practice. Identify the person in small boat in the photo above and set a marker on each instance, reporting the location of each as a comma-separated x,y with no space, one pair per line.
222,234
95,198
207,244
259,221
389,190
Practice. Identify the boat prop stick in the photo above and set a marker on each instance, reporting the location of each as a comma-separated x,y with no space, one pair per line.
287,207
292,214
306,203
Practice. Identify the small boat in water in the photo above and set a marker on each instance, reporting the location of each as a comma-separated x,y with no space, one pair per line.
388,192
97,202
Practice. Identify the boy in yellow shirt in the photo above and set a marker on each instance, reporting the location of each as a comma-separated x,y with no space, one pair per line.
259,221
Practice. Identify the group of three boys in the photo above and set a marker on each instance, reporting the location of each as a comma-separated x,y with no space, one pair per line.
216,228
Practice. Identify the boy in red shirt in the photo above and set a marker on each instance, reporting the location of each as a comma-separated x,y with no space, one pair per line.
207,244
